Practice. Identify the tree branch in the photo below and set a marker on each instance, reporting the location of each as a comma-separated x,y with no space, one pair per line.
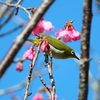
52,81
30,72
4,9
47,88
11,31
85,46
17,6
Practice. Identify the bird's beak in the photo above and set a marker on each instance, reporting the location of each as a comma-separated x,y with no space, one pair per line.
77,57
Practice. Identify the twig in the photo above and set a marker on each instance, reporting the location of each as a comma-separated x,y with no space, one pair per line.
30,72
41,79
85,46
19,60
23,36
19,2
11,31
49,67
18,6
31,8
4,9
28,82
52,80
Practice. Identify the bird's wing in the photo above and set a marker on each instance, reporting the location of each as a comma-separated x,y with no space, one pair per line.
58,44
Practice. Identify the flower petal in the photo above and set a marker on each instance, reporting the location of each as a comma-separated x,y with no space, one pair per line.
29,54
68,34
67,38
60,33
39,29
45,45
47,25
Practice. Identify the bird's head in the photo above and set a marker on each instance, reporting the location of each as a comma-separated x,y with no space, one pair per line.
72,54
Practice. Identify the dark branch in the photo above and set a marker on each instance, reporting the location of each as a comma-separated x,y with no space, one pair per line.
4,9
47,88
11,31
85,46
49,67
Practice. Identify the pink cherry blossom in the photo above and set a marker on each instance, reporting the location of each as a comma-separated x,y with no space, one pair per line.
60,33
67,38
29,54
39,29
68,35
47,24
38,96
64,34
41,26
45,45
75,36
19,66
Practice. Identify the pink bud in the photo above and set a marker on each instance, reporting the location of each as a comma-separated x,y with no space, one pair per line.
30,54
19,66
45,45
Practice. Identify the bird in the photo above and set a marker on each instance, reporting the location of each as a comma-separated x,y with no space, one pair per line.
58,49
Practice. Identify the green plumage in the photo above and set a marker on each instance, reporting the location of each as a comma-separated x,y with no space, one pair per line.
58,49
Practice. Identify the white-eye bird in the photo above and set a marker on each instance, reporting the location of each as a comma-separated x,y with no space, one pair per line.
58,49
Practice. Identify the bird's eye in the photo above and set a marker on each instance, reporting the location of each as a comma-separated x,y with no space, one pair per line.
72,52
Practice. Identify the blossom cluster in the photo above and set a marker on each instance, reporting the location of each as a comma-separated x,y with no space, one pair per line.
67,34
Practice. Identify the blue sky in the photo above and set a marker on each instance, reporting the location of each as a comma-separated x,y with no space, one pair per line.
66,74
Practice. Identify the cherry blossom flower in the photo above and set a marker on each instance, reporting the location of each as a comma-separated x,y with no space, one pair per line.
41,26
29,54
47,24
68,34
38,96
44,46
39,29
19,66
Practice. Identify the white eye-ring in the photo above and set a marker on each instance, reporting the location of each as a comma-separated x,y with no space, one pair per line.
72,52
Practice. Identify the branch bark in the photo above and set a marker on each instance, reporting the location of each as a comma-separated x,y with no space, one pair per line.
85,46
4,9
5,63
